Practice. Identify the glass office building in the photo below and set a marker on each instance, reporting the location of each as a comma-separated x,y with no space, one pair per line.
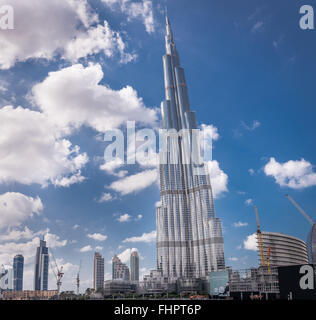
189,236
41,267
18,266
134,264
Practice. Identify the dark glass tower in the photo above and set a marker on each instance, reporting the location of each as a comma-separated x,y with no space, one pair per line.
41,267
18,266
189,236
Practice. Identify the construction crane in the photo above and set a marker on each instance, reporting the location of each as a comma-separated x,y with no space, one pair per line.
300,209
259,235
59,274
78,278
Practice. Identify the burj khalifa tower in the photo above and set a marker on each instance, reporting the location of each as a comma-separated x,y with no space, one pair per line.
189,236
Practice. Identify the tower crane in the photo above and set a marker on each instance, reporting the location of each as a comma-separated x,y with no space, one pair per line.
259,235
59,274
301,210
78,278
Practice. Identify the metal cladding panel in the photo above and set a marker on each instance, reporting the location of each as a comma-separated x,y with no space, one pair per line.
168,74
182,89
191,120
166,115
170,90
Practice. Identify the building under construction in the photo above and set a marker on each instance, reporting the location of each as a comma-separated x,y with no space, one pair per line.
262,283
30,295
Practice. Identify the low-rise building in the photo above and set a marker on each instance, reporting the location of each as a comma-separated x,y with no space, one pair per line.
30,295
113,287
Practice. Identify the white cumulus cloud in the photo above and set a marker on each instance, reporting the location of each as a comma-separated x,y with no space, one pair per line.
97,236
72,97
87,248
142,10
106,197
251,242
145,237
135,183
96,39
295,174
219,179
16,207
32,151
44,29
124,218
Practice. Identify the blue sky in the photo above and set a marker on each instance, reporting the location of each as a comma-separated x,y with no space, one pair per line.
250,71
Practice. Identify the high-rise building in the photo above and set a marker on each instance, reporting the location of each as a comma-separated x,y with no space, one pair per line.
285,250
98,274
189,236
120,270
311,245
134,264
18,266
6,278
41,267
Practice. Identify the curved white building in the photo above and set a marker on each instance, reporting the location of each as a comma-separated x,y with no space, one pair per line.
285,250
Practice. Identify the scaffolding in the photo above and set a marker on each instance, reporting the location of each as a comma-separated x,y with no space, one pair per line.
260,280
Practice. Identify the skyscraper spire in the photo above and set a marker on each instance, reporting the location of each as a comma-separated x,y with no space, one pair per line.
168,27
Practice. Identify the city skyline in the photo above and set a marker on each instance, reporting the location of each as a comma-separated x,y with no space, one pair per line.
250,74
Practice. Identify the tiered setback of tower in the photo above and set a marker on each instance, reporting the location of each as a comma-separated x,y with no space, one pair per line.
189,236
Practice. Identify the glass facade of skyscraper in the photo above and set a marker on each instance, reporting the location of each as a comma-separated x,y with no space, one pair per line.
189,236
18,266
41,267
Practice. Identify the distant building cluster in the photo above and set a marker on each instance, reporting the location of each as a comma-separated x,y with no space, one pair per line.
11,278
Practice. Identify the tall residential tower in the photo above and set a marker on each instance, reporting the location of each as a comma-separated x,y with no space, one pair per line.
134,264
18,266
120,270
98,274
189,236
